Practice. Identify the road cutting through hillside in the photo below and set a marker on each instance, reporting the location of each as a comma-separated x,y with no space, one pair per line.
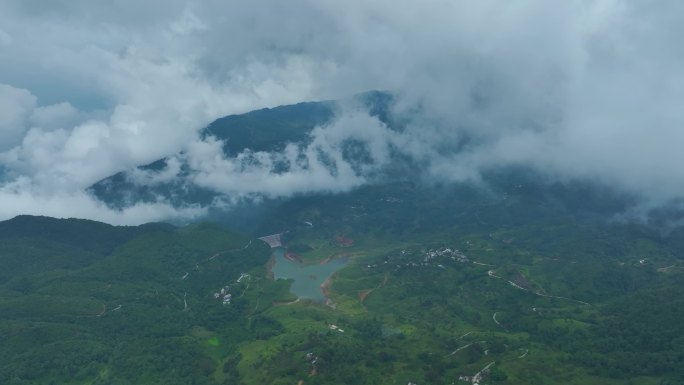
492,274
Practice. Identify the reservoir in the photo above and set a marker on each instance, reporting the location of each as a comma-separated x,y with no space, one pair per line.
307,278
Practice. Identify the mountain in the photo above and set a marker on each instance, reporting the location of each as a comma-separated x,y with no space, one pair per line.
432,284
260,130
517,279
268,129
85,302
272,129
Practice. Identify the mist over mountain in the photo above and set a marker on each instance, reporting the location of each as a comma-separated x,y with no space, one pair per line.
422,192
245,166
576,92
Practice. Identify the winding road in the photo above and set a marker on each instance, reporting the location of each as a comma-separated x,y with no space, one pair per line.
492,274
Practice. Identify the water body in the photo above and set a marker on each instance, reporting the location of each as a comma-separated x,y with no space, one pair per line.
307,278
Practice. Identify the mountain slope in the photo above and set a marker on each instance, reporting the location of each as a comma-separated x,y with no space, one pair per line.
267,129
435,283
132,312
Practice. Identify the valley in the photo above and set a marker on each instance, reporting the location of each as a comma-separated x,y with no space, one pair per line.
512,280
205,305
471,192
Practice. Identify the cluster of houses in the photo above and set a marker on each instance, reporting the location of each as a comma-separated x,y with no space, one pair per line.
224,295
312,359
429,258
454,255
475,380
336,328
478,377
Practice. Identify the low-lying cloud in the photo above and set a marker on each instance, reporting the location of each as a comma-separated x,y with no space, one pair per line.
322,163
577,90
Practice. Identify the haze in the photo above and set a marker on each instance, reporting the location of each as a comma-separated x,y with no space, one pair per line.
576,90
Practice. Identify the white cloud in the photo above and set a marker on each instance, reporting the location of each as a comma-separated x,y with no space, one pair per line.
77,204
16,106
319,166
60,115
577,89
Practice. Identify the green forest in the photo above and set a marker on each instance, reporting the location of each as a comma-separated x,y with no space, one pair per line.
444,286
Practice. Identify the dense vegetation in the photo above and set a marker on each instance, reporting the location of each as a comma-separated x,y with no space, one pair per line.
516,280
545,290
84,302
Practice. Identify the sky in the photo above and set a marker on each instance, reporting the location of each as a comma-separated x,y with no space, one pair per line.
576,89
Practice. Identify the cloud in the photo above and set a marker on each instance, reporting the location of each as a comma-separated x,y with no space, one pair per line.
320,165
60,115
578,90
98,90
78,204
16,106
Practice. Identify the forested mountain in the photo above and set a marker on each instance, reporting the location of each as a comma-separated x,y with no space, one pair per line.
516,279
268,129
436,284
85,302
